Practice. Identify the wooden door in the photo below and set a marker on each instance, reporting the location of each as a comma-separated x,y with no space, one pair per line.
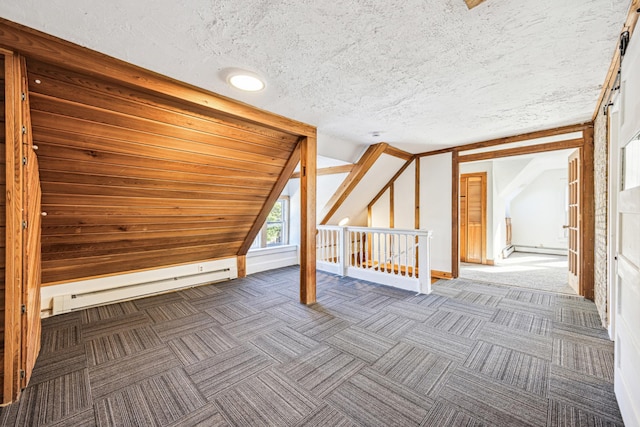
627,312
473,217
31,260
574,222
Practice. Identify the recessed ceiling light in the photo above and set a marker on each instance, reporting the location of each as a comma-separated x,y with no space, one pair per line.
246,81
344,221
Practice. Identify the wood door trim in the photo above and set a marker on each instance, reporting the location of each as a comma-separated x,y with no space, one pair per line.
587,216
587,212
483,203
538,148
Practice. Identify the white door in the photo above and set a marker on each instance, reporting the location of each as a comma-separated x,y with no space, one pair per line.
627,301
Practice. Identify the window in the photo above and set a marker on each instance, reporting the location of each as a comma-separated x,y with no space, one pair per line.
275,231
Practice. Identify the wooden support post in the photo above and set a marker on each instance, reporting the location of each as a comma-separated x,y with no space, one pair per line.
455,209
242,265
587,215
392,213
417,194
308,159
14,241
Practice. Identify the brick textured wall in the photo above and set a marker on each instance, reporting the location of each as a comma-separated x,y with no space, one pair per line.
601,157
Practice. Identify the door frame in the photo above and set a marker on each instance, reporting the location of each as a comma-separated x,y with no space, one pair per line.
483,177
585,144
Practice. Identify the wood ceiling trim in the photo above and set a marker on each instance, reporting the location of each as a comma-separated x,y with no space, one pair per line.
473,3
332,170
511,139
360,169
529,149
610,79
37,45
396,152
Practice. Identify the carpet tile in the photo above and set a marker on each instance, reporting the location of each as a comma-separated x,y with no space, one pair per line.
267,399
523,322
326,416
363,344
157,401
56,399
119,344
322,369
510,367
284,344
200,345
223,370
584,358
247,353
415,368
444,414
116,374
388,325
494,402
375,400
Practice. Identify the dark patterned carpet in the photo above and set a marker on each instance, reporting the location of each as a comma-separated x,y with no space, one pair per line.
246,353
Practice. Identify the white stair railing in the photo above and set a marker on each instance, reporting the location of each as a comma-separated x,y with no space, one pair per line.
389,256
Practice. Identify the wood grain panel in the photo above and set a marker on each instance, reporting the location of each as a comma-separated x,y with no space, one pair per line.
127,173
3,204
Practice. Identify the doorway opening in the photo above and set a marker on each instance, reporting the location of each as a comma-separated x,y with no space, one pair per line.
527,235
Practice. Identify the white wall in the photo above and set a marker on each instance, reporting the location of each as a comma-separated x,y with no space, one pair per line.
435,207
538,212
326,186
404,196
380,211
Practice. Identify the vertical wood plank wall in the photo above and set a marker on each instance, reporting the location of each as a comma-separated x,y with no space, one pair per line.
3,205
133,181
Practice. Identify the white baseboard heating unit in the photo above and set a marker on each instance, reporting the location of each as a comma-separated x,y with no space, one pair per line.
79,295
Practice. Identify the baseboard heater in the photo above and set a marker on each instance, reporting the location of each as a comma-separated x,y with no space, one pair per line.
80,300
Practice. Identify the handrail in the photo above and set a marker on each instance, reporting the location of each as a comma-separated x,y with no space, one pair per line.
390,256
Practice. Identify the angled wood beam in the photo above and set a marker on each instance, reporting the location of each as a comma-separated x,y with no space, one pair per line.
332,170
473,3
308,158
391,181
37,45
353,179
396,152
612,73
282,181
529,149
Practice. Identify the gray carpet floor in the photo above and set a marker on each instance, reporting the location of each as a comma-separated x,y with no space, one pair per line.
525,270
246,353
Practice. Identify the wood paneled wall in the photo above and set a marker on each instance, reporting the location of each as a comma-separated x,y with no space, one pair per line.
133,181
3,204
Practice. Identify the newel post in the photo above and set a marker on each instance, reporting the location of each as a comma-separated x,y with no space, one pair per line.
424,267
344,251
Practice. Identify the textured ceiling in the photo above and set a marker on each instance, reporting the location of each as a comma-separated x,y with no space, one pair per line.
426,74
